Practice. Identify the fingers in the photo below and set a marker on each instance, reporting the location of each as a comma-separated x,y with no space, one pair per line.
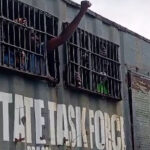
22,21
89,4
85,4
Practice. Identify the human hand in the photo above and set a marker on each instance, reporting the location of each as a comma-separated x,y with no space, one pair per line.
22,21
85,5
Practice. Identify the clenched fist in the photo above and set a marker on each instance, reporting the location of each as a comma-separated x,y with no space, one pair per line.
85,5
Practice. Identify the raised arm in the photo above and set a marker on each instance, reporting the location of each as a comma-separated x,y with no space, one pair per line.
64,36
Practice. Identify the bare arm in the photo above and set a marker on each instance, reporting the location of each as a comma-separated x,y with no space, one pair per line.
55,42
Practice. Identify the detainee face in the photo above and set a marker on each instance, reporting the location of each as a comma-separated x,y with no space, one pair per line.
104,77
22,21
35,41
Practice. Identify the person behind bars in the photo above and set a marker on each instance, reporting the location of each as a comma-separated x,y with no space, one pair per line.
27,61
53,43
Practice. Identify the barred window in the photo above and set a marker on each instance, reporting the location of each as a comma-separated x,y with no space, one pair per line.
24,32
93,65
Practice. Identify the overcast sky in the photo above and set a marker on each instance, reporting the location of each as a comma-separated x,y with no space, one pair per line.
133,14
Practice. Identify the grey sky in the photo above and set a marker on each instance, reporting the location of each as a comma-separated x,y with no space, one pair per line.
132,14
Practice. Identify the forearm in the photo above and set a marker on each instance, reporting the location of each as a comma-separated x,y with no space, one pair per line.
72,26
68,31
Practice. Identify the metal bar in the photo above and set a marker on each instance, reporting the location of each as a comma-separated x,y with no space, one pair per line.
19,55
78,51
34,25
18,14
111,88
82,79
23,38
55,57
45,23
39,20
117,56
0,44
115,51
96,54
8,25
23,10
41,42
10,10
115,89
41,72
20,10
16,43
1,12
36,19
5,32
32,17
97,45
72,75
53,25
3,53
46,52
29,11
69,74
117,73
8,48
20,48
15,58
30,28
90,61
7,15
30,42
26,13
118,90
94,71
112,51
97,63
19,37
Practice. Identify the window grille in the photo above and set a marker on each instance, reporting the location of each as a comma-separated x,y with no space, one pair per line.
24,32
93,65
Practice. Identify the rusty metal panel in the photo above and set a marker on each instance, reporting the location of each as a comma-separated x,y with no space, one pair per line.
140,91
35,116
136,54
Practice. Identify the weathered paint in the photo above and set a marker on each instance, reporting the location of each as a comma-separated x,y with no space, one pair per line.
140,110
54,116
67,124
